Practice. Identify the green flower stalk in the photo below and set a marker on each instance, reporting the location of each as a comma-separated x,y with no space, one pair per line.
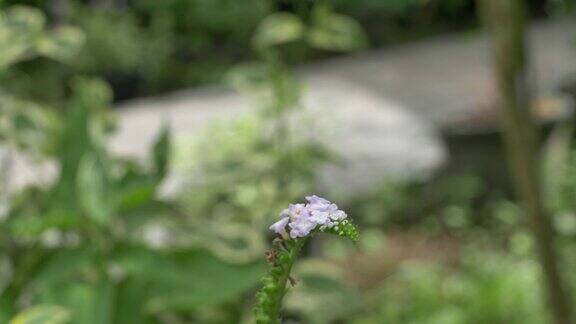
298,222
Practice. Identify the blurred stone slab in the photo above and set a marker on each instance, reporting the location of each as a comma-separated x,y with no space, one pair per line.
383,106
375,138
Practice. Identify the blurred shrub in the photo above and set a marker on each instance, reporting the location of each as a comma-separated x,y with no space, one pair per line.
486,289
268,164
81,242
79,249
400,7
23,123
323,294
99,245
231,219
144,47
23,35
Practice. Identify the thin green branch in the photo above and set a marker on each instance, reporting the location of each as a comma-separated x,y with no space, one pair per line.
275,283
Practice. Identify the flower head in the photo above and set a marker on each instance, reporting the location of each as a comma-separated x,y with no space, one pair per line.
301,219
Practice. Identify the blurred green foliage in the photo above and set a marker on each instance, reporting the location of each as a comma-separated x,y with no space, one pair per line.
48,314
486,289
81,242
100,244
232,220
269,165
77,248
144,47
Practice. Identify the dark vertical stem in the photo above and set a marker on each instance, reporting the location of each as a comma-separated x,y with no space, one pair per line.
506,21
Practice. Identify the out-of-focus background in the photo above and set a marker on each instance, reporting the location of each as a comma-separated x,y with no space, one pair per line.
147,145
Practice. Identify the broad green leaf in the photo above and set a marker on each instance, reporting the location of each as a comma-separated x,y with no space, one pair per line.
335,32
42,314
62,43
87,303
29,226
161,153
188,279
201,280
235,242
137,193
94,189
131,298
135,187
60,266
278,28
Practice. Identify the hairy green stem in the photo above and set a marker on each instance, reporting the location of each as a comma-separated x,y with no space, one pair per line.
275,283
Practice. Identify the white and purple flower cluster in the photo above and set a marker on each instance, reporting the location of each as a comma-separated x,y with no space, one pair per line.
299,220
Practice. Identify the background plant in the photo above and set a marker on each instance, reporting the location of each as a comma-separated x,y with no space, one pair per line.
80,245
77,249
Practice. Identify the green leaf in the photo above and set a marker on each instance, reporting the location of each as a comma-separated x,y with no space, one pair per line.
42,314
161,152
189,279
87,303
137,193
61,44
135,189
132,295
278,28
335,32
60,267
198,279
94,189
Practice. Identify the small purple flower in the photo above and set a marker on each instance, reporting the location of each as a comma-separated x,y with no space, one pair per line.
295,211
304,218
280,226
315,200
324,212
301,227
